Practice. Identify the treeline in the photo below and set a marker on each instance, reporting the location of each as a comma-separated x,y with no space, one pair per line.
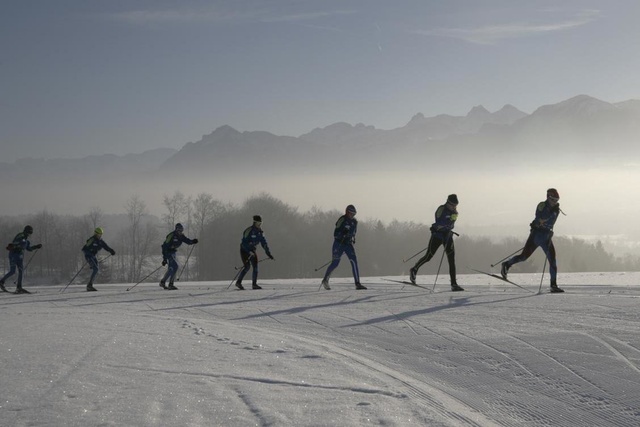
300,241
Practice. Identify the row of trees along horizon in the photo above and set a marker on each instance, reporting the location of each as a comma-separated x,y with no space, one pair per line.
299,241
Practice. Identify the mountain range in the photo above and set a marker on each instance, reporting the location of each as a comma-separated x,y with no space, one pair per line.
580,130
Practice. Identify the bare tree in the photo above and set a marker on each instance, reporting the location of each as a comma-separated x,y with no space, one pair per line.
177,207
205,209
94,217
137,244
45,224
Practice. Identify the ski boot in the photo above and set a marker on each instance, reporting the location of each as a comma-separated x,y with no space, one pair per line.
412,275
90,288
162,285
325,284
359,286
504,270
21,290
456,288
171,287
554,289
239,286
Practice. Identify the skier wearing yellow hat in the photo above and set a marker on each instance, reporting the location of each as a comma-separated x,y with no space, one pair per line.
90,250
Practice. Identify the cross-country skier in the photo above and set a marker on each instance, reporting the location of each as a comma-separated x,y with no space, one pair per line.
171,244
442,234
16,250
251,237
344,237
540,235
90,250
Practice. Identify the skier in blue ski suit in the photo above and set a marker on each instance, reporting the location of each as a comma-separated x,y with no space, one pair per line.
90,250
251,238
171,244
540,236
344,237
16,250
442,234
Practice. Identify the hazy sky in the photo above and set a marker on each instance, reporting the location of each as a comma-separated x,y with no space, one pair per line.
81,77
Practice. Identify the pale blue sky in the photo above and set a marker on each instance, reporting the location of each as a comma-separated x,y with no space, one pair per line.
81,77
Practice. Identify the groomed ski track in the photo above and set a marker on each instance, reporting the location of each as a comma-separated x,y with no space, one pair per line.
292,355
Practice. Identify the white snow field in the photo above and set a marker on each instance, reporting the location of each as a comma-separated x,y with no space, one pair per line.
293,355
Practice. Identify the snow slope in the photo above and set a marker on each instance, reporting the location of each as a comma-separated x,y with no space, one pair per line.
294,355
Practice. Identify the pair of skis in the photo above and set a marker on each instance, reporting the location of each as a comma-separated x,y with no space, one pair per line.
406,282
20,292
497,276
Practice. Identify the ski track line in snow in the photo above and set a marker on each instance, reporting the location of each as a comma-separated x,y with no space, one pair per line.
439,401
404,321
601,402
72,368
362,390
496,350
559,363
420,393
530,385
269,316
507,415
446,405
513,404
253,409
615,351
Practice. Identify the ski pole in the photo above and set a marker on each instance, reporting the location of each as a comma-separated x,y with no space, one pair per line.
145,278
544,266
323,265
104,259
73,278
28,262
240,270
30,258
185,263
542,278
507,257
413,256
234,278
444,250
76,275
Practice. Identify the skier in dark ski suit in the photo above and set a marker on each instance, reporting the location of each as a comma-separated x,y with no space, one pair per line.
344,237
442,234
90,250
540,236
16,250
251,238
171,244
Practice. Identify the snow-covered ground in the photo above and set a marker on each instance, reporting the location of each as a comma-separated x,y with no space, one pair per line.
294,355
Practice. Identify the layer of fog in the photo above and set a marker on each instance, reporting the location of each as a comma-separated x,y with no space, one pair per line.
599,204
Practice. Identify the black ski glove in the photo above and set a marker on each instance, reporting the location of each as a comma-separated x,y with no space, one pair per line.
112,252
194,241
164,262
38,246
